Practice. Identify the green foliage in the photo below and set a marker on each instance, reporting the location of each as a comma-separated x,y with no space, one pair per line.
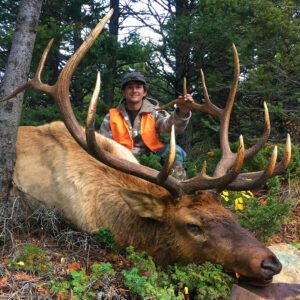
260,160
105,237
32,259
100,270
142,278
84,286
203,281
264,217
150,160
39,115
201,153
206,280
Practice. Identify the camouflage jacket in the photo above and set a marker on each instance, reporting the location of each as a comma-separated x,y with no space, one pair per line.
163,119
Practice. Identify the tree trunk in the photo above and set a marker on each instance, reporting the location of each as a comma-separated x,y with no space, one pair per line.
17,69
111,72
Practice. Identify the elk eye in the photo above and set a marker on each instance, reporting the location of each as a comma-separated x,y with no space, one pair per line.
195,229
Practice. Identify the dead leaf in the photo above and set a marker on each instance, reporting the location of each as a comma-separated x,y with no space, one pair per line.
23,277
74,266
60,296
3,280
42,291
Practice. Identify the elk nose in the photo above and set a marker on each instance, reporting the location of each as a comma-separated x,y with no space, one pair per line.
271,266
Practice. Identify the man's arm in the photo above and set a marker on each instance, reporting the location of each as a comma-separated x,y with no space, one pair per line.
105,127
179,117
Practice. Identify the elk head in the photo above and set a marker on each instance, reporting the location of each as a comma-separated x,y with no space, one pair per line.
195,226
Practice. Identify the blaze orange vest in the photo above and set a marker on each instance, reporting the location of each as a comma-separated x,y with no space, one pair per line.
121,133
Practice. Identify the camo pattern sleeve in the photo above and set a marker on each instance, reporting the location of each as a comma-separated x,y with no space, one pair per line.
164,121
105,127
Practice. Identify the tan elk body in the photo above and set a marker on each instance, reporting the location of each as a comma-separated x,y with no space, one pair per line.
52,168
90,194
95,182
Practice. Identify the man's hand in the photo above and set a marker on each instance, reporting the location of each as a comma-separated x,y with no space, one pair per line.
184,105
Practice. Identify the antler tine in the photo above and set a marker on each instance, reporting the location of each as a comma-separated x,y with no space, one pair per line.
91,116
264,138
207,106
60,93
252,180
63,82
141,171
281,167
60,90
203,181
35,82
184,86
164,173
227,156
42,61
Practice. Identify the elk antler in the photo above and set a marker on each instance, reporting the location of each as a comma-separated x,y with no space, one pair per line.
228,158
87,140
227,172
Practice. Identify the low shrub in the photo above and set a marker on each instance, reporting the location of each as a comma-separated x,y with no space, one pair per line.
263,214
150,160
32,259
203,281
264,217
83,286
106,239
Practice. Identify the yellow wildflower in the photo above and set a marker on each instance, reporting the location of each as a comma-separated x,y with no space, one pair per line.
247,194
21,263
250,193
186,290
238,204
225,198
225,193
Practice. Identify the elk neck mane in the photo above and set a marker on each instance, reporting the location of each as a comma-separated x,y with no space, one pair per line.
92,186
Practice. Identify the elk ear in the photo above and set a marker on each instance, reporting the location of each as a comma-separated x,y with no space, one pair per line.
143,204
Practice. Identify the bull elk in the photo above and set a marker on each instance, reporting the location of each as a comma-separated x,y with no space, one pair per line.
95,182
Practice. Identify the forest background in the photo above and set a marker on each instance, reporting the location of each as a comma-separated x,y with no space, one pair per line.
192,35
185,36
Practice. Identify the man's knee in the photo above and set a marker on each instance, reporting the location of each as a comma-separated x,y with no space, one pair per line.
180,153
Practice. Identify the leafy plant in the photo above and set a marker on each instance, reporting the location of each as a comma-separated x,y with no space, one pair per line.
207,281
264,216
32,259
105,237
150,160
142,278
204,281
83,286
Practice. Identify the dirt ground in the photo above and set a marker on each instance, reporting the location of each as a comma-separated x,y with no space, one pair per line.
290,232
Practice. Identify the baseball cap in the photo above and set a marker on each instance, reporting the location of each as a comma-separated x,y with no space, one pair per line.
133,76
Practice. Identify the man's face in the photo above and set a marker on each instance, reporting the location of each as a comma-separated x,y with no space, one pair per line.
134,92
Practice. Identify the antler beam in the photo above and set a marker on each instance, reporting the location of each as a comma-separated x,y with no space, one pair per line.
228,158
227,173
